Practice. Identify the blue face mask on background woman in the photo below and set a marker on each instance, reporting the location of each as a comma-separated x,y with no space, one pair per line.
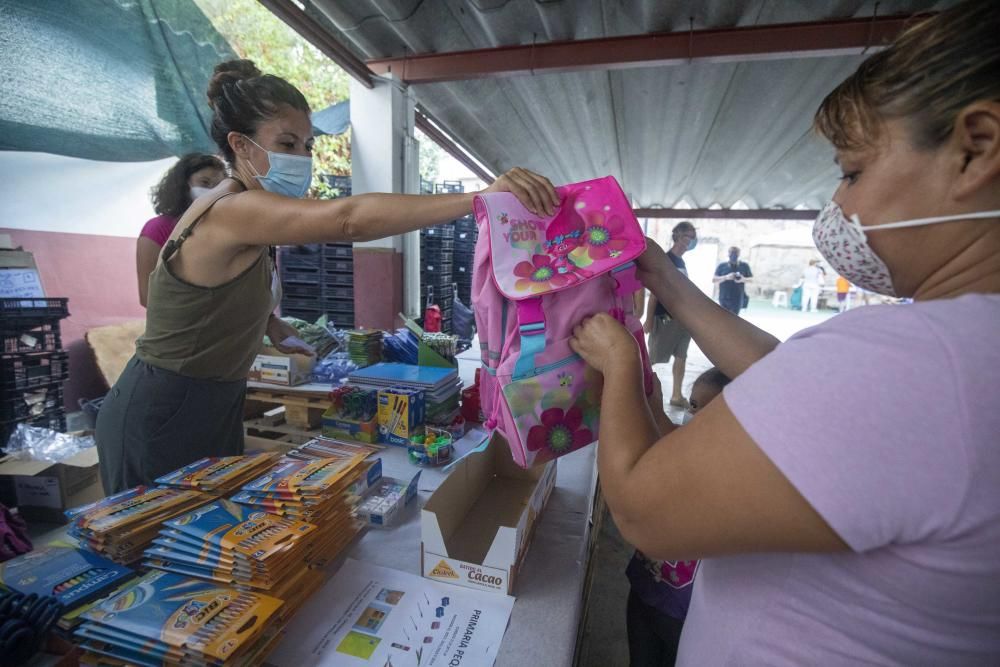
289,175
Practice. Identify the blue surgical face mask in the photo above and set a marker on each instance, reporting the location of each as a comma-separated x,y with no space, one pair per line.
288,175
692,243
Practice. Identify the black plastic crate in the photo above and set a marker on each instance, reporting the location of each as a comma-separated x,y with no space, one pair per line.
338,292
302,291
31,336
338,251
338,306
338,280
296,302
33,370
31,403
435,243
455,187
302,276
35,309
436,258
54,419
338,266
436,268
301,256
445,231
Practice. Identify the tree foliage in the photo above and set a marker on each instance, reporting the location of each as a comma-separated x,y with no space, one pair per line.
255,33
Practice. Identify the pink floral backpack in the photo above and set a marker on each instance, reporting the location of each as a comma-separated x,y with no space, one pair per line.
534,279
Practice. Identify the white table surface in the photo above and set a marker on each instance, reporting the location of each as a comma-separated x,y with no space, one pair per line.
549,590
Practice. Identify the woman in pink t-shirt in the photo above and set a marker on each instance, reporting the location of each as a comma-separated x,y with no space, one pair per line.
192,176
875,539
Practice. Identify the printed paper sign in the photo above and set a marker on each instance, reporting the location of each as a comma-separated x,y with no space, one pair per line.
370,615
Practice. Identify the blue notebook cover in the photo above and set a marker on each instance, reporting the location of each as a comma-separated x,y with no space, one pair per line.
392,373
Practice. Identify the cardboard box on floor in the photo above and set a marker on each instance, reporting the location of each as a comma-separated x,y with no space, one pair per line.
476,527
43,490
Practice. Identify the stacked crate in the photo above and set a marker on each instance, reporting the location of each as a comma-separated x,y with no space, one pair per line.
466,235
437,247
33,365
317,280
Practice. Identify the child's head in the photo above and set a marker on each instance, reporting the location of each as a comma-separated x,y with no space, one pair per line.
708,385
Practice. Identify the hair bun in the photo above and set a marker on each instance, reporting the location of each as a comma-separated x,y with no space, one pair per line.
227,73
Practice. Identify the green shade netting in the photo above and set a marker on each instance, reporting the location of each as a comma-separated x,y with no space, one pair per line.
115,80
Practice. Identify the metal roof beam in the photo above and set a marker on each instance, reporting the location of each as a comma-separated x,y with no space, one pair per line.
429,126
725,213
788,40
318,36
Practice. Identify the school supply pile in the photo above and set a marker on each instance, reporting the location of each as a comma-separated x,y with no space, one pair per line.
400,414
445,345
169,619
364,346
232,544
121,526
401,346
219,476
440,386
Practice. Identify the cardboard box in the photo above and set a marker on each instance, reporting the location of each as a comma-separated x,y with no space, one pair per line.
476,527
287,370
43,490
400,414
348,429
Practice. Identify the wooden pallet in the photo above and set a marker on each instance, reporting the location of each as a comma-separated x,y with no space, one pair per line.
302,412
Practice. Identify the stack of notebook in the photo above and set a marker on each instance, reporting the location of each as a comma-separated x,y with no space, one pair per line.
441,386
364,347
233,544
168,619
220,476
121,526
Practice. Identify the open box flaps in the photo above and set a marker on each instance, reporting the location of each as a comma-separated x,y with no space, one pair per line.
42,490
477,525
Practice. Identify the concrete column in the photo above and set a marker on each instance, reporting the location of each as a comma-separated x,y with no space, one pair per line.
383,159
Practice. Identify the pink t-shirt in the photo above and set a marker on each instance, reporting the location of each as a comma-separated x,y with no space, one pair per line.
159,229
887,420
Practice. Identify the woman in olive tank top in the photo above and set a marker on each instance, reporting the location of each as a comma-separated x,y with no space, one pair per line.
214,290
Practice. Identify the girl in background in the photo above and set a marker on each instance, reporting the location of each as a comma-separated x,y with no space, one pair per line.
192,176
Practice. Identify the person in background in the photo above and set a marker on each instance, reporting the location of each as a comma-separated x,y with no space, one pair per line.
190,177
661,590
732,277
214,290
667,338
861,541
843,294
812,284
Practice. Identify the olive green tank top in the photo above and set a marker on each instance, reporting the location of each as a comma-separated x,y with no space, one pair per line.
207,332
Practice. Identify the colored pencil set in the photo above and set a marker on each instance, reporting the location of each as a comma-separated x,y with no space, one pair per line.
168,619
121,526
219,476
232,544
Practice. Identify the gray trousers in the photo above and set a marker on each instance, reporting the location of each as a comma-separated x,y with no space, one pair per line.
154,421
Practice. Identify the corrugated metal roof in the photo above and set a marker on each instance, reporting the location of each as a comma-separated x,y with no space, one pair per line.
701,133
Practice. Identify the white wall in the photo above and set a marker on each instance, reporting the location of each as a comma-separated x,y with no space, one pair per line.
54,193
